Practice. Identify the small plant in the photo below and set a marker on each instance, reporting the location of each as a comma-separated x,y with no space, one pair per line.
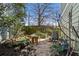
56,49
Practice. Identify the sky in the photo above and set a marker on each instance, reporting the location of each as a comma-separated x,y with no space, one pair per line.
29,9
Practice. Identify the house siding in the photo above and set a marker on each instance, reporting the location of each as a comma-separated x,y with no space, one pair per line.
75,21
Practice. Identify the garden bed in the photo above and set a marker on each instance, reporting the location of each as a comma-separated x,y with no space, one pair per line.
21,47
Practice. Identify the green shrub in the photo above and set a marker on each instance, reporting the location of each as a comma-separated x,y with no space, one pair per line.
57,47
22,41
29,30
33,29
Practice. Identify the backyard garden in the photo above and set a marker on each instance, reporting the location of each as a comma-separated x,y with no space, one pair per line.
28,32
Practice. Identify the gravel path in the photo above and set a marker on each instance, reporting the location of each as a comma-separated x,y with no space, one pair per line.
43,48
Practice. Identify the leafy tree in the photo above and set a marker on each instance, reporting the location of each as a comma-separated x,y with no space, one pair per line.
11,22
2,22
19,16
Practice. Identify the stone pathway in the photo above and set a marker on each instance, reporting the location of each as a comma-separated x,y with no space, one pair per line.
43,48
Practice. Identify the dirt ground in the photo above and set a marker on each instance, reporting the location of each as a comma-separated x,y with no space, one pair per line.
43,48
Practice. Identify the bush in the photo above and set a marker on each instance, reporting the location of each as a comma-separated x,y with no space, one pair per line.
33,29
23,41
29,30
57,48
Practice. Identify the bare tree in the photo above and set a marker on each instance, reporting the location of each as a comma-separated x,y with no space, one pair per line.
41,12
